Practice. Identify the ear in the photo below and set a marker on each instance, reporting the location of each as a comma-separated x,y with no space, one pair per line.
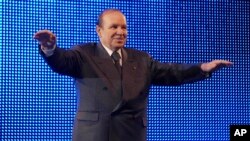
98,31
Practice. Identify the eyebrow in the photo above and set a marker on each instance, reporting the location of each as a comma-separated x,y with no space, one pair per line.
118,25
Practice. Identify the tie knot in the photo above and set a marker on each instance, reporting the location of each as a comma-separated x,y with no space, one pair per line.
116,56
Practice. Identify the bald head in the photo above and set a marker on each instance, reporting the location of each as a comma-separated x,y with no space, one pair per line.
106,11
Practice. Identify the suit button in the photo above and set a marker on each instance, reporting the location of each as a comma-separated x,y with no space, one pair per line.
105,88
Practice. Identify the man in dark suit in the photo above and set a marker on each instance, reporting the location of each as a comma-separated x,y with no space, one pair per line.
112,82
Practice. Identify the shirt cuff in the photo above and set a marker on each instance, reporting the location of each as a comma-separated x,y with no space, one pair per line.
206,74
48,52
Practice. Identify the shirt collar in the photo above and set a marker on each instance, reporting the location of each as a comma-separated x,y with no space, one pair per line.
111,51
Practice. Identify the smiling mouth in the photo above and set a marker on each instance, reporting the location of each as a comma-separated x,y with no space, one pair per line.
119,38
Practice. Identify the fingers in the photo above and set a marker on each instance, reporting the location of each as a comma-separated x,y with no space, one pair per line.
45,38
224,63
43,34
215,65
219,64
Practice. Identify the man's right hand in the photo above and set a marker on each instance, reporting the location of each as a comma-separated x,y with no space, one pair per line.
45,38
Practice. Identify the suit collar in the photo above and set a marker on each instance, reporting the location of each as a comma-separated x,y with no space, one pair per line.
110,52
102,53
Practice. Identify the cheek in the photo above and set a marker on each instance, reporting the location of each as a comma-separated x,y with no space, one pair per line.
108,38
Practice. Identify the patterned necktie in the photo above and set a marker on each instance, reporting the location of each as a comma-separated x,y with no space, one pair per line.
116,57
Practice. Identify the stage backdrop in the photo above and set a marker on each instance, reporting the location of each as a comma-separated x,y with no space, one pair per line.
38,104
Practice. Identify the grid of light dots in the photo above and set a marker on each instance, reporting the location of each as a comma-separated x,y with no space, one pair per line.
39,104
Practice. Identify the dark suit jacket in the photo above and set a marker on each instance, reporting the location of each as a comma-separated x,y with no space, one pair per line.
110,106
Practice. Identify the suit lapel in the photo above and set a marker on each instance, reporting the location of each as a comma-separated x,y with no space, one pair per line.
107,71
129,68
105,63
111,76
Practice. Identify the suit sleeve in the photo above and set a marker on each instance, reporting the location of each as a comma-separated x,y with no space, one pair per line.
65,62
175,74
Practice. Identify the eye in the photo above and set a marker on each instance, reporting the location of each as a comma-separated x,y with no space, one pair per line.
113,26
124,27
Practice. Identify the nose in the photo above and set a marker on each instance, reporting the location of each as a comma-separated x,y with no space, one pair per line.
120,31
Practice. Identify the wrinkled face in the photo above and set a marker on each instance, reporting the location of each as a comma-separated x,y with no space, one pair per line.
113,31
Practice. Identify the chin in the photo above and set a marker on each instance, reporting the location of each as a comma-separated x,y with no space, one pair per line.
119,46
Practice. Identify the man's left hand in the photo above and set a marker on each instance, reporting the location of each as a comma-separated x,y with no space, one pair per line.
215,65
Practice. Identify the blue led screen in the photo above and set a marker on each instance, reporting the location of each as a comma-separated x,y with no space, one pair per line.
38,104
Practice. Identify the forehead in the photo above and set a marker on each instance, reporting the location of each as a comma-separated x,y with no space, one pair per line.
114,17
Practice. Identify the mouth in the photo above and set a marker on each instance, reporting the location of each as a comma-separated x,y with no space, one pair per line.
119,39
